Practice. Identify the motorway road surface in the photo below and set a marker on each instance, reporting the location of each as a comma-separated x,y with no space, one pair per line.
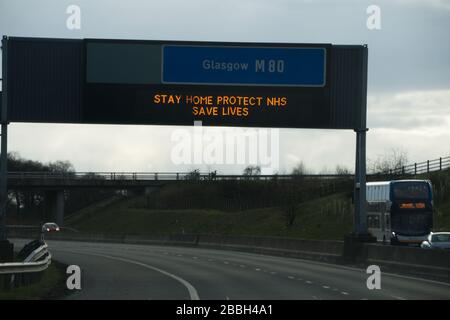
125,271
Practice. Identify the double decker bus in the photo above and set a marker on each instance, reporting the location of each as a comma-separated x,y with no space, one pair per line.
400,211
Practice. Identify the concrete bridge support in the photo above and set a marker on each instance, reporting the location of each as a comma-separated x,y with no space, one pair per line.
55,205
150,190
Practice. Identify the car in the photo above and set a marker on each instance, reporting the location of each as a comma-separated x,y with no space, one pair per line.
437,240
50,227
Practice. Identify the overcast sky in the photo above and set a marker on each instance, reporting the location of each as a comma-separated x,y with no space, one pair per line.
409,74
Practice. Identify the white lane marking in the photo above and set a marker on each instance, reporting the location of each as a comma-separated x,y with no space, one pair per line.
330,265
326,287
195,258
414,278
273,272
179,255
335,266
344,293
192,291
226,297
308,282
291,277
257,269
242,266
398,298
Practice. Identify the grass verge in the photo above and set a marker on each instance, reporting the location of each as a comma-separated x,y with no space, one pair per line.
324,218
51,286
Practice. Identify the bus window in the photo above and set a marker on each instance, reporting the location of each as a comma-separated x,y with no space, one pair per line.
411,190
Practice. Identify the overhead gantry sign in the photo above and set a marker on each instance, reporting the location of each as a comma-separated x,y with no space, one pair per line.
179,82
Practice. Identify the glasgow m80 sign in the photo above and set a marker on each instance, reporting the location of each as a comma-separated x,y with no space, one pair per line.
253,66
177,83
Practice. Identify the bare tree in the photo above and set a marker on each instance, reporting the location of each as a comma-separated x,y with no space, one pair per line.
290,206
390,162
290,214
252,171
61,167
342,170
299,169
193,175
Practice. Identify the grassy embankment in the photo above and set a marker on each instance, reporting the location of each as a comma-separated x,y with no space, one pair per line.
175,209
50,286
326,217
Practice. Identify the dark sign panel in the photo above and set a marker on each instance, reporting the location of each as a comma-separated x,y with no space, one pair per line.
177,83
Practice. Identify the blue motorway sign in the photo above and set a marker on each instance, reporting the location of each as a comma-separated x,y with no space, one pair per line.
234,65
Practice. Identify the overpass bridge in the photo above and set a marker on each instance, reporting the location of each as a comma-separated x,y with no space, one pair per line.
126,180
55,183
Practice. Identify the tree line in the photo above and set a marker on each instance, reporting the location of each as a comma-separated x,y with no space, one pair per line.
30,203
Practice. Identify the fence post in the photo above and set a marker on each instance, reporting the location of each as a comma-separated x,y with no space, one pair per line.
428,166
440,164
415,168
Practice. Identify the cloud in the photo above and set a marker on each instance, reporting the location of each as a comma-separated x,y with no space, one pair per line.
410,111
409,74
438,4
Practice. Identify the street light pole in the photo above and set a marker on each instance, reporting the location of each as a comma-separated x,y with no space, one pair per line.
6,248
360,184
360,230
4,140
360,168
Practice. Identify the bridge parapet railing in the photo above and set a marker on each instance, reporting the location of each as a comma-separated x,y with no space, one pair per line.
418,168
428,166
155,176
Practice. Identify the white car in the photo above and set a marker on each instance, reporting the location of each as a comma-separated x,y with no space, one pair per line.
50,227
437,240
